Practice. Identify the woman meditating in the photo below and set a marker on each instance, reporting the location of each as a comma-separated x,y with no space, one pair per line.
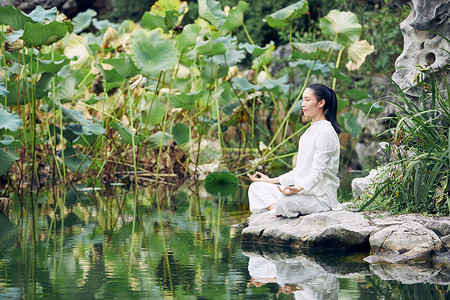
312,185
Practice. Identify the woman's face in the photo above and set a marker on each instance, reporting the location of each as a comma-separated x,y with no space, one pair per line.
311,106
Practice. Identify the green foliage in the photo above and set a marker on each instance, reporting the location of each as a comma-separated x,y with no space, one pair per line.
417,178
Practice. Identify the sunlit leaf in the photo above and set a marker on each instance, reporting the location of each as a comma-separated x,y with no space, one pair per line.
76,161
230,57
254,49
221,182
315,50
7,140
76,47
185,101
111,38
242,84
264,59
341,26
151,53
181,134
14,17
125,134
277,86
160,138
188,36
37,34
9,121
161,7
285,16
235,17
7,160
51,66
124,65
103,24
83,20
211,11
66,89
39,14
17,34
357,54
314,67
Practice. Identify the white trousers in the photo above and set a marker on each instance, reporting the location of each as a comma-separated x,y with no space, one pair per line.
262,194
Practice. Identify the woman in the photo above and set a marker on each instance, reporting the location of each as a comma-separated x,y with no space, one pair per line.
312,185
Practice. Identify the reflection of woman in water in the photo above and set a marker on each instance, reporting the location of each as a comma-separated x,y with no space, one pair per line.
312,185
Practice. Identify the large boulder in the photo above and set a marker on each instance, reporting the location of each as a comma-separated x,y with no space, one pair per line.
342,230
405,242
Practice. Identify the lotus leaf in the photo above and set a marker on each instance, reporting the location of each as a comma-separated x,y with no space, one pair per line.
313,51
76,47
235,17
276,86
263,59
160,139
76,161
285,16
7,160
17,34
315,67
14,17
37,34
3,91
71,115
357,54
339,75
152,21
125,134
185,101
161,7
254,49
152,106
124,65
221,182
15,97
83,20
103,24
211,11
350,124
40,15
242,84
151,53
181,133
188,37
343,27
9,121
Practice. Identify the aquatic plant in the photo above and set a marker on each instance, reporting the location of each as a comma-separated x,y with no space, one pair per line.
104,103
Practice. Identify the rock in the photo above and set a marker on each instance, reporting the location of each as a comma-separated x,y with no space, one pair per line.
405,242
342,230
422,47
411,274
359,185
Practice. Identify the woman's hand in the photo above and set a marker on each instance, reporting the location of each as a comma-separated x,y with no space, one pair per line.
262,178
290,190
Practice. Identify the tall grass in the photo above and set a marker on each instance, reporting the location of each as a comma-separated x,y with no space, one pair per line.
417,177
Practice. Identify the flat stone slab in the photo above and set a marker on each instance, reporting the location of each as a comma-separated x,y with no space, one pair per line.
390,239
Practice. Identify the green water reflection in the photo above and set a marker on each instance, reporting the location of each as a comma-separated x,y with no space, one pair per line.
88,245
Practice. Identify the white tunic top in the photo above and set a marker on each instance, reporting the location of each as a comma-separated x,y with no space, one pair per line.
317,163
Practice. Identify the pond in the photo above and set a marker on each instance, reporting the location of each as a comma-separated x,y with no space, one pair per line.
100,245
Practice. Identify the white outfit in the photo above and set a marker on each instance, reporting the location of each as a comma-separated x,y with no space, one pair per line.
315,171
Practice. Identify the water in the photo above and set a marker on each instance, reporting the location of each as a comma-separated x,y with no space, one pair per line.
93,246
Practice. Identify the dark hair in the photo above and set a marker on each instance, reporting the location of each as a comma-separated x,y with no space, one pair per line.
323,92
